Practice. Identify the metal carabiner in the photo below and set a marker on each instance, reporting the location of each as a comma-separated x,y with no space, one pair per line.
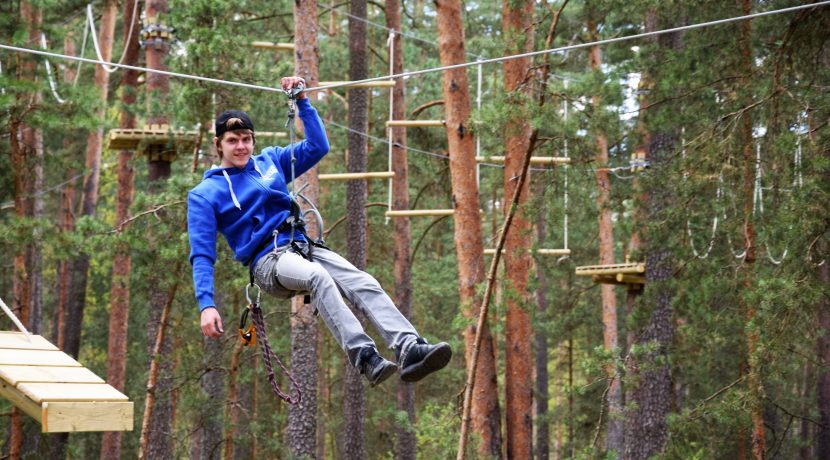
258,293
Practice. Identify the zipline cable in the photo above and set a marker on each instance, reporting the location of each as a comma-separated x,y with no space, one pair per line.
424,71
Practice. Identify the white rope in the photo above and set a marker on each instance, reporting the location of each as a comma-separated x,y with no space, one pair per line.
2,90
91,23
15,320
391,44
52,84
718,196
566,167
83,49
478,134
424,71
582,45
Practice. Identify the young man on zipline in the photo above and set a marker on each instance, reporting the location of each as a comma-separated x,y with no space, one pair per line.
246,199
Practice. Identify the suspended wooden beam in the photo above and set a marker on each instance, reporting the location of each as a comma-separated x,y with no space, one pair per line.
370,84
413,123
533,160
420,213
612,269
273,46
356,176
140,139
54,389
541,252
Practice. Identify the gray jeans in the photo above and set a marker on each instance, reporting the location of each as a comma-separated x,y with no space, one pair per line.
283,273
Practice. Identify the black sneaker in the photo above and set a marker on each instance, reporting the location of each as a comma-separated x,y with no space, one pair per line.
419,359
374,367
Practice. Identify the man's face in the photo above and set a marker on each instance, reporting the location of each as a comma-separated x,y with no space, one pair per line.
236,148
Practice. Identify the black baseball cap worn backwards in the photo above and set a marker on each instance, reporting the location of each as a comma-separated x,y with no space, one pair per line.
221,124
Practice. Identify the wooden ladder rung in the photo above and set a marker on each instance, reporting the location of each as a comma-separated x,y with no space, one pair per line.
356,176
420,212
414,123
541,252
533,160
273,46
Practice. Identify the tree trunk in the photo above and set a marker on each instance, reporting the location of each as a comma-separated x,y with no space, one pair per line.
650,396
469,243
517,26
232,406
24,140
213,384
354,405
405,440
122,261
542,378
89,200
747,272
823,370
301,431
614,438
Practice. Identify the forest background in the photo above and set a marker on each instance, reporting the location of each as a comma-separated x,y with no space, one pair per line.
703,154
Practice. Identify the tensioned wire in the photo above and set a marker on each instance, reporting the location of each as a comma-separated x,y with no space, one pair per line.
429,70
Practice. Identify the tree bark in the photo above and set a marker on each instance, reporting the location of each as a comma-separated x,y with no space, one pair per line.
517,27
614,437
354,404
542,377
747,269
89,196
122,260
405,441
823,370
650,391
302,428
467,236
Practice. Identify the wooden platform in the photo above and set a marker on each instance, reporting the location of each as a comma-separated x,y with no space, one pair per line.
140,139
54,389
631,275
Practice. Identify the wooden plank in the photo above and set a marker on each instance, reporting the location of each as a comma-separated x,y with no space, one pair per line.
62,417
353,176
20,400
631,279
420,212
371,84
17,374
37,358
273,46
18,340
414,123
40,392
612,269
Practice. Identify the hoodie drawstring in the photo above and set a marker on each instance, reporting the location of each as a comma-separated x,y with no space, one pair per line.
230,187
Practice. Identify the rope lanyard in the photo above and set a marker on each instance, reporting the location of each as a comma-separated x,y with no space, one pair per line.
15,320
267,353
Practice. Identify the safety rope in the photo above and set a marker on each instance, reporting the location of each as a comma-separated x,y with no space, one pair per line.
52,84
391,45
91,23
258,321
15,320
429,70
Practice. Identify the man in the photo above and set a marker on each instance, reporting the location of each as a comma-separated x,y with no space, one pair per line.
246,199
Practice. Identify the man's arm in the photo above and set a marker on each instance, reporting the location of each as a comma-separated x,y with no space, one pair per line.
201,227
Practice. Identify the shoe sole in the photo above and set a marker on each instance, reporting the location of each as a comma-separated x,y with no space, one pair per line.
435,360
387,372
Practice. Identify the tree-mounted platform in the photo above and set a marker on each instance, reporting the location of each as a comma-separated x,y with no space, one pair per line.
54,389
631,275
162,143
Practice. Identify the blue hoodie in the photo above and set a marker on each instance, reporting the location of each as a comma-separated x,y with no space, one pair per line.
246,205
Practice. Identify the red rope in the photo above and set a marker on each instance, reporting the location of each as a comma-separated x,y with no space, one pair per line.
267,353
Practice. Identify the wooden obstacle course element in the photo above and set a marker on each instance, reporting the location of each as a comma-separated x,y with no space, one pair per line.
273,46
357,176
420,212
367,84
54,389
541,252
533,160
414,123
161,135
631,275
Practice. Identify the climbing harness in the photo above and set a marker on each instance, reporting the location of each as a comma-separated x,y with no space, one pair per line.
296,221
257,329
